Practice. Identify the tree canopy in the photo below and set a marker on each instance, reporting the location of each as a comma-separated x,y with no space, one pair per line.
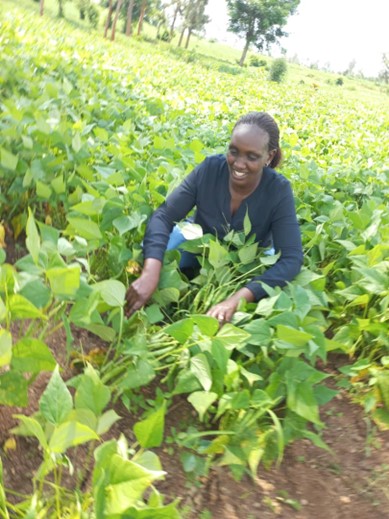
260,22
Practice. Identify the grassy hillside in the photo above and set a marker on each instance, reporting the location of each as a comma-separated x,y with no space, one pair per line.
216,55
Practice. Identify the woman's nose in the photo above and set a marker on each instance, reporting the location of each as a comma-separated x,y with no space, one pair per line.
239,162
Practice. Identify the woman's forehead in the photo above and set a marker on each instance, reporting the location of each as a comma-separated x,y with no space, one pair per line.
250,135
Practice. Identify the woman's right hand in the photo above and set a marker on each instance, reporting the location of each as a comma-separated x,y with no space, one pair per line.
141,290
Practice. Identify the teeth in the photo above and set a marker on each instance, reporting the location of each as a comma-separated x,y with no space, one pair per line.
239,174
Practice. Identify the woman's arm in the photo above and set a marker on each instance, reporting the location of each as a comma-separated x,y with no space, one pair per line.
140,291
286,240
224,311
177,206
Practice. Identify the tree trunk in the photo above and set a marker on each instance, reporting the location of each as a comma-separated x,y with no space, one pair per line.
129,18
181,37
115,20
109,16
60,9
141,16
188,37
244,54
174,21
41,7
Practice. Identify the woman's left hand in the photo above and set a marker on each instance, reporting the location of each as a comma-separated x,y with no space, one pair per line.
224,311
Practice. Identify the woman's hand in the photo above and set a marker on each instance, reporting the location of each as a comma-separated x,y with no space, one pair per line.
224,311
140,291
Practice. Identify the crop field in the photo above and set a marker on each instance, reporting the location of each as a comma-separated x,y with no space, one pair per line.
93,136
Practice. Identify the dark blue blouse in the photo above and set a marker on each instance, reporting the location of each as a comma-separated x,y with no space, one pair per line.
270,208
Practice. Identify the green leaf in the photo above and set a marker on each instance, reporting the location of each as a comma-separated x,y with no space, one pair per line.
246,224
106,421
199,366
201,400
76,142
33,242
8,159
138,375
231,336
56,401
316,440
42,190
70,434
127,483
301,400
59,185
208,325
5,347
154,314
32,356
37,293
248,253
149,432
21,308
180,330
186,382
126,223
33,428
111,291
218,255
292,336
104,332
85,228
260,332
13,389
84,417
165,296
91,393
250,376
64,281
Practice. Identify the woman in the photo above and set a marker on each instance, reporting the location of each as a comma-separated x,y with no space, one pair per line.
223,189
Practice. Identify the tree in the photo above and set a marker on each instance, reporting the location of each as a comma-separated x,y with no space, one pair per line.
260,22
194,19
60,9
384,74
177,11
115,20
41,7
129,18
109,16
141,16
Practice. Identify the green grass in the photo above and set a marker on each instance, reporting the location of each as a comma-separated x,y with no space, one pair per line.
219,56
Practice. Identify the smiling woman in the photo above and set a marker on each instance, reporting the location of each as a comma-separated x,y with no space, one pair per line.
224,189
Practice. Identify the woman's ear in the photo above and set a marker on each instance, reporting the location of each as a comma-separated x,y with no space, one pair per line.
271,156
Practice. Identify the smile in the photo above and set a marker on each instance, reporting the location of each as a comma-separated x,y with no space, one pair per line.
238,174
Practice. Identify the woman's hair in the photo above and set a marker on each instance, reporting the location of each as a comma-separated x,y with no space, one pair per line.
268,125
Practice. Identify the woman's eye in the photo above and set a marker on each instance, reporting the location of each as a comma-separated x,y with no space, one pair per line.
232,152
252,158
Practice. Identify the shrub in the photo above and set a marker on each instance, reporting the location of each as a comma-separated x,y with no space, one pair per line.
229,69
278,70
93,15
339,81
256,62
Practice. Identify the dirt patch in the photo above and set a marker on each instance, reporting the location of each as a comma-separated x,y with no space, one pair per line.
351,482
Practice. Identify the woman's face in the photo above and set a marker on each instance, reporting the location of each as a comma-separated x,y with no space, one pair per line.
247,155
